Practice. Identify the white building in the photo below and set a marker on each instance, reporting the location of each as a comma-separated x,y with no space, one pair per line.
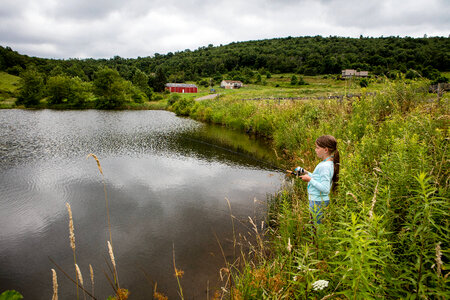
231,84
348,73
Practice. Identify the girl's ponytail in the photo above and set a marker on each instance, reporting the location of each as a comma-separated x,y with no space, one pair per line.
329,141
337,164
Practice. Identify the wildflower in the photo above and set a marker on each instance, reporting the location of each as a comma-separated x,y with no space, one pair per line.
319,285
179,273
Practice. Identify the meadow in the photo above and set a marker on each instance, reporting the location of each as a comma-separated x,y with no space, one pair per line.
385,234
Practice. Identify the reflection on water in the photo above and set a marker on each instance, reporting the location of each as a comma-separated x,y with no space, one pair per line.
167,179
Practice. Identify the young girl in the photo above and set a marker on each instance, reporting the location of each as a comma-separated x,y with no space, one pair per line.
325,176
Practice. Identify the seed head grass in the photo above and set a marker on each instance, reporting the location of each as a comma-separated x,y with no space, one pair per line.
55,285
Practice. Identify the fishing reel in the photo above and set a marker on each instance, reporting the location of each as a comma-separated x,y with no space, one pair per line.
299,171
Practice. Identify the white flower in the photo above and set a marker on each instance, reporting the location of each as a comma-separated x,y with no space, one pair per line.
320,285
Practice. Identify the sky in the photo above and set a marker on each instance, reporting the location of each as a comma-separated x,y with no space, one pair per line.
130,28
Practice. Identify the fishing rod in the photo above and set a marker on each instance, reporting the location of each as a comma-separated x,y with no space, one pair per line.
297,171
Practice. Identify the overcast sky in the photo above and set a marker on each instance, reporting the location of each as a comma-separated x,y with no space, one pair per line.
132,28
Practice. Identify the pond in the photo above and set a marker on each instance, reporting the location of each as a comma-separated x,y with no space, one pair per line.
167,181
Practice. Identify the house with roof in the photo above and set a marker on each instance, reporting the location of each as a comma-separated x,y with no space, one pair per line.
181,88
349,73
231,84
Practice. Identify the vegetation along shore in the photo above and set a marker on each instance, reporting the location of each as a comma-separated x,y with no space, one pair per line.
385,234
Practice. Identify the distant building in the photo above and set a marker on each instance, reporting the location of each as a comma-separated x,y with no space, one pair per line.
231,84
349,73
181,88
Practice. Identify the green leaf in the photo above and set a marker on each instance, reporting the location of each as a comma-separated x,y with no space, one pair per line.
11,295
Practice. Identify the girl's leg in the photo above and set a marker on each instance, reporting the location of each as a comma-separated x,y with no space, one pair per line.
316,208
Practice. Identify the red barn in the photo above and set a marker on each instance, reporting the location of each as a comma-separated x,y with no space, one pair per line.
181,88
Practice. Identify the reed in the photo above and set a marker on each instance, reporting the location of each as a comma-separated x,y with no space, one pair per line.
80,278
91,272
55,285
105,193
113,261
72,241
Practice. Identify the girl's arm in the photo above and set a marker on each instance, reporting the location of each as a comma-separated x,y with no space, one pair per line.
321,179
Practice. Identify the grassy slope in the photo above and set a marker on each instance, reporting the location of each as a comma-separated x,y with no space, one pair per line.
8,87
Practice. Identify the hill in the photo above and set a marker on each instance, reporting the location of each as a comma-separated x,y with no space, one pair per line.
8,87
248,62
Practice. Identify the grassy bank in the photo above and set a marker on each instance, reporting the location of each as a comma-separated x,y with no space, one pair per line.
386,231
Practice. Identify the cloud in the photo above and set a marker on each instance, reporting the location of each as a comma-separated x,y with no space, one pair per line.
104,28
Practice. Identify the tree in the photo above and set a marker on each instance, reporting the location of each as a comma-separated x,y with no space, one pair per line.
160,80
80,92
58,89
110,89
31,90
294,80
140,79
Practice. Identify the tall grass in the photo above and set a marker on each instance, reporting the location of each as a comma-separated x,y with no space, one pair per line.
120,293
386,232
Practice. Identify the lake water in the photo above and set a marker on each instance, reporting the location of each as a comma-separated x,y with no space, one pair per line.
166,178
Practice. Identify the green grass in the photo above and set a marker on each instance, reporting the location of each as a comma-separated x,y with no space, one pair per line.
8,87
278,86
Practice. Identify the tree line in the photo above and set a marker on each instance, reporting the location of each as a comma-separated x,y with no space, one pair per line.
134,79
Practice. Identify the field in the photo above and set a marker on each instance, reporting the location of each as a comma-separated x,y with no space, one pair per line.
386,232
279,85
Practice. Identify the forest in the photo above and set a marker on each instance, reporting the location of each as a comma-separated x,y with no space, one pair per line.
114,82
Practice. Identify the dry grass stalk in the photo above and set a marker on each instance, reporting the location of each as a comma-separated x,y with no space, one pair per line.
72,239
96,159
104,189
55,285
80,278
354,197
113,261
374,200
439,259
111,254
91,271
289,246
71,229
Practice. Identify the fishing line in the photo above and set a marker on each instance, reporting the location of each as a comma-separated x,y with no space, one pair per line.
235,152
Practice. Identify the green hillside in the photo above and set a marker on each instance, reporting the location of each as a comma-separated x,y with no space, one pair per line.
8,88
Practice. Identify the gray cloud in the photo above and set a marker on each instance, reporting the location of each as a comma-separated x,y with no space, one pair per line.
134,28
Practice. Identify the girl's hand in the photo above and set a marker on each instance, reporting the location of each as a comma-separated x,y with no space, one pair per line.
306,178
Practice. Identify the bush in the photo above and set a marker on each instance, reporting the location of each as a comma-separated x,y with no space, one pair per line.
174,98
363,83
183,106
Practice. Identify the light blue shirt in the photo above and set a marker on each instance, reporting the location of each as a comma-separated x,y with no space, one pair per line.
320,184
